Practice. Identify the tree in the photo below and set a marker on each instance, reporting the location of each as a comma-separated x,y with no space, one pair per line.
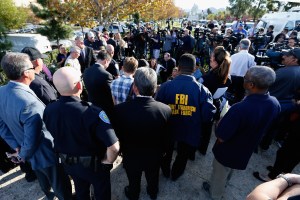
208,11
259,8
273,5
211,16
55,27
238,8
11,16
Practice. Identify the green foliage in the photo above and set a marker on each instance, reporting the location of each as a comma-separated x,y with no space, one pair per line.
238,8
10,15
4,45
55,27
273,5
208,11
259,8
55,30
136,18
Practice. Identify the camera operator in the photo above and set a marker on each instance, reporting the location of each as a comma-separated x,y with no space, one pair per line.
228,41
275,52
129,39
241,30
141,44
259,41
202,45
188,43
167,42
294,34
270,34
154,43
174,34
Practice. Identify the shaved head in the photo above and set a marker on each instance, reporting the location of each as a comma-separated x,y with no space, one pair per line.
66,80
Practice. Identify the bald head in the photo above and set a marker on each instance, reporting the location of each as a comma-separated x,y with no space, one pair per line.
110,48
66,80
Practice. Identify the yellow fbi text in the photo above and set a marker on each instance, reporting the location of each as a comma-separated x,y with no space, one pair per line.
181,106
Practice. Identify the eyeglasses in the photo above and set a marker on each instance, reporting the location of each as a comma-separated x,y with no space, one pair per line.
31,68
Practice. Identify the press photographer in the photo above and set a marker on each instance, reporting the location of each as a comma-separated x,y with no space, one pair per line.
275,51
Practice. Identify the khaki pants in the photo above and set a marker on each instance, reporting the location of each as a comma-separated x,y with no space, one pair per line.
219,177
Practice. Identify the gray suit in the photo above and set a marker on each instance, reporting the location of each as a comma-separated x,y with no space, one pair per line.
21,125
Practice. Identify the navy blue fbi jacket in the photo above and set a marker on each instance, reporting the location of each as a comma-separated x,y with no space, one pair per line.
191,105
78,128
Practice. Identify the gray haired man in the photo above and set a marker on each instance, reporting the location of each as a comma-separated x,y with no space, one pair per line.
22,127
240,63
143,134
241,129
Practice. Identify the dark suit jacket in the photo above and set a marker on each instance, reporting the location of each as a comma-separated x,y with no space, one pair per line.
88,60
43,89
97,82
112,42
141,126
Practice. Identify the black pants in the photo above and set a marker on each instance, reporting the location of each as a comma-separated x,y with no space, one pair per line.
56,178
205,137
5,163
83,177
183,152
134,166
288,156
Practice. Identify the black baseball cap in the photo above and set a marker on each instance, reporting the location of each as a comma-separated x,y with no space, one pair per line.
33,53
292,52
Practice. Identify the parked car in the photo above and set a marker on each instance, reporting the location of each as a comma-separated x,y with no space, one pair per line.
65,42
28,28
19,41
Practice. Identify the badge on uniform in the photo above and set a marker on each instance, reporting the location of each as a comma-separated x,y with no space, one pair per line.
104,117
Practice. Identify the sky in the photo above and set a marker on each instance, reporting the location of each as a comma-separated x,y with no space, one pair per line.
202,4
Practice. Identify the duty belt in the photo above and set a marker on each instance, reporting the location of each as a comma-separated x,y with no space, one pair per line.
86,161
93,162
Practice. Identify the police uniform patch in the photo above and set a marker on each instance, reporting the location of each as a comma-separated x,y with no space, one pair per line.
104,117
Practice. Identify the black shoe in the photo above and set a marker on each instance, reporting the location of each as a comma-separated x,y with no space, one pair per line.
30,176
128,194
175,175
152,196
166,171
192,156
206,187
261,178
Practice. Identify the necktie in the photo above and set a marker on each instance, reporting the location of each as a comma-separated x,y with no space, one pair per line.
82,54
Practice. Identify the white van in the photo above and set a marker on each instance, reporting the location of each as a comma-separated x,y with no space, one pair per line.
279,20
19,41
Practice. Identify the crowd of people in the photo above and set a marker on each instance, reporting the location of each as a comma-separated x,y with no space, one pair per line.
106,99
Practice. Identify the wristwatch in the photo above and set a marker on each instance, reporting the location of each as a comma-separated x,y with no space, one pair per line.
19,158
286,179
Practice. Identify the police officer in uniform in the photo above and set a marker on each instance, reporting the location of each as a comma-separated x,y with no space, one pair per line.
83,136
